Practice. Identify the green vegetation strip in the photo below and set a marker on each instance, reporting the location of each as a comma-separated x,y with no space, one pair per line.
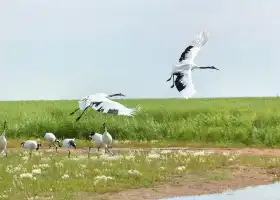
242,121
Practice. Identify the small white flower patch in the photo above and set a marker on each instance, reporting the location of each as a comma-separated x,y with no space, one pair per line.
153,156
83,166
65,176
181,168
36,171
134,172
59,164
26,175
25,158
11,169
42,166
3,196
166,151
45,159
102,178
108,157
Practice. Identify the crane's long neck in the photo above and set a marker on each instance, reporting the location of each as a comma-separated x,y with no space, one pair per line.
205,67
105,127
113,95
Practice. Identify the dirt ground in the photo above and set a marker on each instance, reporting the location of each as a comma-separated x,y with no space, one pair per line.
245,151
181,186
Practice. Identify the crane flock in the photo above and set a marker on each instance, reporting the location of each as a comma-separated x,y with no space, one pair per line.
103,103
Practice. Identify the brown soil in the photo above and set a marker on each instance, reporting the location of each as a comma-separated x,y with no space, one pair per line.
245,151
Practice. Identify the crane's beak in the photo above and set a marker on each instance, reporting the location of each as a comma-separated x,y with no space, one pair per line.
216,68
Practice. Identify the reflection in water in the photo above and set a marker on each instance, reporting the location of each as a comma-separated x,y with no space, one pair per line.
262,192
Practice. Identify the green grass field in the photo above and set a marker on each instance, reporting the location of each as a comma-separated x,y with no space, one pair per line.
245,121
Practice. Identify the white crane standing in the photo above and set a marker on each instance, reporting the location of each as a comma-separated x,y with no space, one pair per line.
50,137
31,145
107,139
186,63
69,143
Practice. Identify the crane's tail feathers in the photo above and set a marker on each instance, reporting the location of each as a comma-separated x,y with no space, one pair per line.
201,39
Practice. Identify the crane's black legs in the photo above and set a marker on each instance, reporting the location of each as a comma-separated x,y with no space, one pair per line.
74,111
172,81
172,76
169,78
78,118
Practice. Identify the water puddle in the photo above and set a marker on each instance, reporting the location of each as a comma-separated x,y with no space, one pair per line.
262,192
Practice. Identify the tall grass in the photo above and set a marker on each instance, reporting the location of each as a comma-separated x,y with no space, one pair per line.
230,120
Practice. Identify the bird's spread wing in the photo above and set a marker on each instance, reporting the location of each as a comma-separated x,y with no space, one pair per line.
112,107
184,84
86,101
191,51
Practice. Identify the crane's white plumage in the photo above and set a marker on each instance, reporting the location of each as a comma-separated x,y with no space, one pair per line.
97,140
183,70
51,138
186,60
85,102
111,107
69,143
107,139
3,141
31,145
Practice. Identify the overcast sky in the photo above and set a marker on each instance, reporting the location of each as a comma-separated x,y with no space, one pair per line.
66,49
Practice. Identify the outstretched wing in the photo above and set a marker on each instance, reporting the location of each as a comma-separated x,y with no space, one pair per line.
112,107
191,51
85,101
184,85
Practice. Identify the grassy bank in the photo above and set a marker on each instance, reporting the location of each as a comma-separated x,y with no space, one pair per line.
47,175
245,121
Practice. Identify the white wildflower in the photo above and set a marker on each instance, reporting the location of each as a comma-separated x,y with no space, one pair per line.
153,155
36,171
25,158
46,159
3,196
134,172
26,175
102,177
109,157
83,166
65,176
181,168
59,164
166,151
